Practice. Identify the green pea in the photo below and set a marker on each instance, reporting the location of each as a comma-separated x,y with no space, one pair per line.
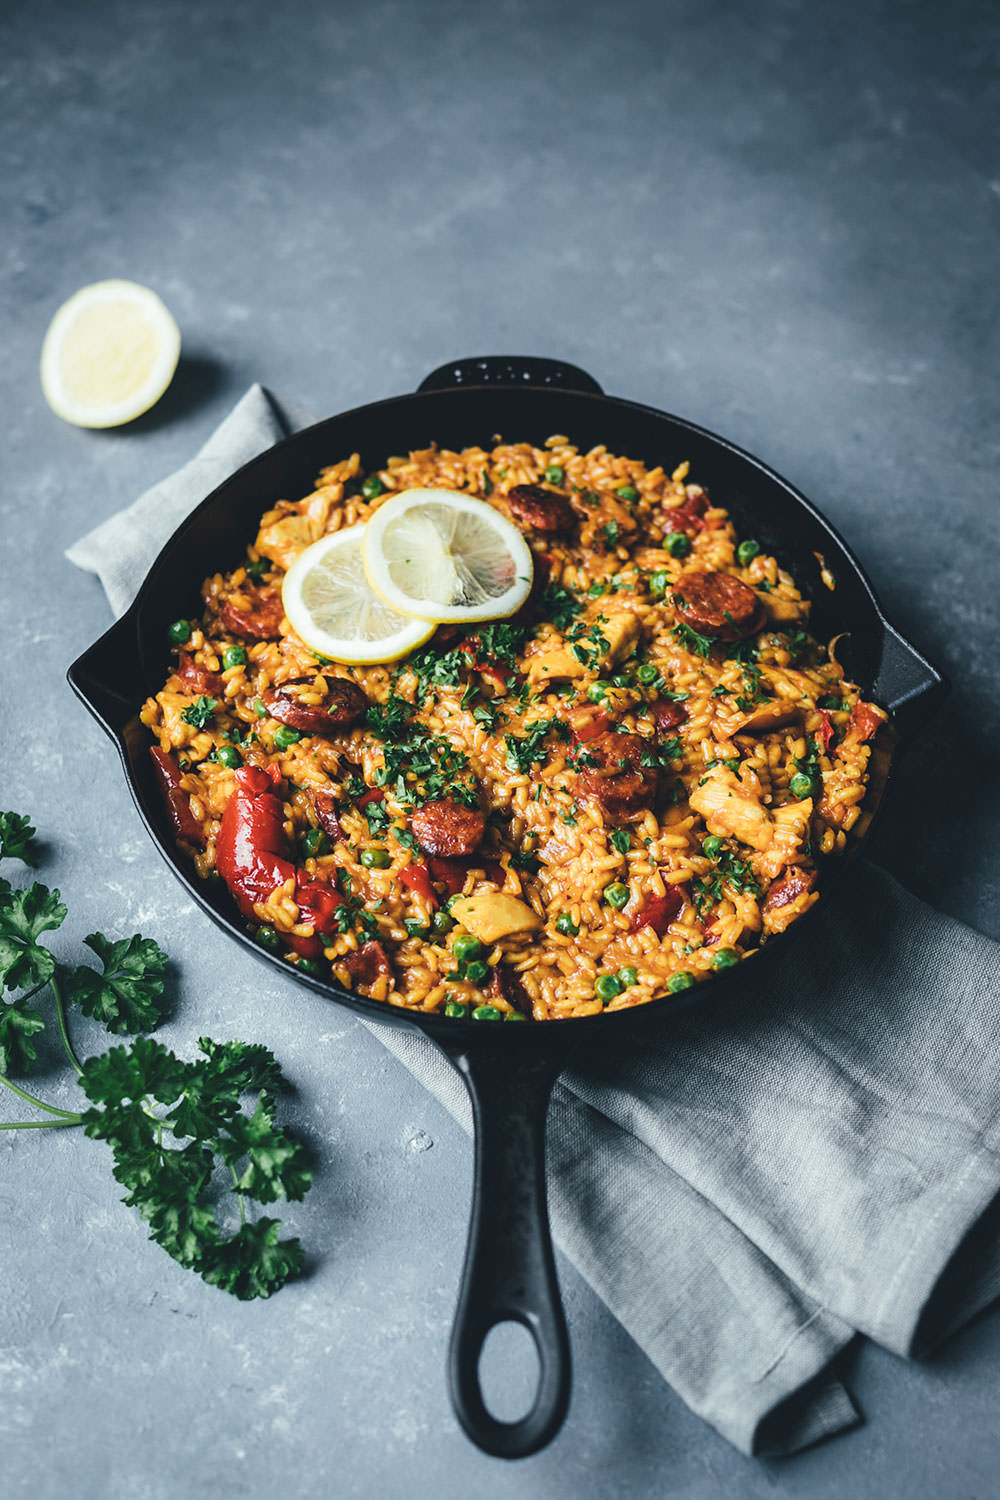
616,894
259,709
283,737
269,939
747,551
315,842
180,631
598,691
554,474
476,972
456,1010
627,492
725,958
416,929
376,859
514,1015
466,947
229,756
682,980
372,487
801,786
487,1013
312,967
628,977
677,543
443,921
659,582
566,925
619,679
647,673
607,986
711,845
234,656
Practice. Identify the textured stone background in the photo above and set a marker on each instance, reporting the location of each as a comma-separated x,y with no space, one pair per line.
778,220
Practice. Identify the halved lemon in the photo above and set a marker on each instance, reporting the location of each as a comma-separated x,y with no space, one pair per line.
330,605
109,354
441,556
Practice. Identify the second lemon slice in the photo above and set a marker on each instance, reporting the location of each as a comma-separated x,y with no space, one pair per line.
330,605
441,555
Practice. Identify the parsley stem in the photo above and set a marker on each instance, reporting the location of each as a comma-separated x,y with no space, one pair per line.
43,1124
239,1195
63,1030
67,1115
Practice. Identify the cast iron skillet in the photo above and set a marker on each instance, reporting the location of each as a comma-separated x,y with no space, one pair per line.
509,1269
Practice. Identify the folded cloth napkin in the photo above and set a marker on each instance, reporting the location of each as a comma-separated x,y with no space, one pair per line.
812,1158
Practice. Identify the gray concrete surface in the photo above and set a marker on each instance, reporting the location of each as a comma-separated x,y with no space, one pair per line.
778,220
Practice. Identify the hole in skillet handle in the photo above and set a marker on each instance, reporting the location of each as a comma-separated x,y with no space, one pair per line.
509,1274
510,369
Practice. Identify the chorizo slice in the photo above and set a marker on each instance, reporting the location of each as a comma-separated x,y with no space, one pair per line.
620,782
325,805
666,714
717,604
537,509
369,963
447,829
796,883
689,516
198,679
343,704
177,800
506,983
254,614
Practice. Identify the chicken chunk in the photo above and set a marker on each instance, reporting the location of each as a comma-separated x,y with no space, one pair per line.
283,540
491,916
732,809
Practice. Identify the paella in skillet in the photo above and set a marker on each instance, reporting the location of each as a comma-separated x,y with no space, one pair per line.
628,784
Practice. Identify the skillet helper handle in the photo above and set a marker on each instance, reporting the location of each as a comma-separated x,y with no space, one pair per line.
510,369
906,683
509,1273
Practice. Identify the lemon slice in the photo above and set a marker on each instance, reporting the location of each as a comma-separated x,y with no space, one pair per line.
330,605
109,354
442,556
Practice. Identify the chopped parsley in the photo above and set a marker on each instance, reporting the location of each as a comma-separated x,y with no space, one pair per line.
199,714
560,605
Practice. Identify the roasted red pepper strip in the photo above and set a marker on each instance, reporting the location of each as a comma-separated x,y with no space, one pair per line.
418,878
450,873
178,802
318,902
826,731
660,911
251,850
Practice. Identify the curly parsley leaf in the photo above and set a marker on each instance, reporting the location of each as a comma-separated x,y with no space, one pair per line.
16,834
124,996
171,1185
199,714
19,1024
24,916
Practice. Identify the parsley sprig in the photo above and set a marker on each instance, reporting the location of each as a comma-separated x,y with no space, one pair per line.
172,1125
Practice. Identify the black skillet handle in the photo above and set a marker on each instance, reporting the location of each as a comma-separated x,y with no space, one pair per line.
906,683
510,369
509,1273
106,676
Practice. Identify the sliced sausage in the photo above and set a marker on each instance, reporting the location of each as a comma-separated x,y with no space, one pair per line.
344,703
178,802
448,829
659,911
259,619
619,782
666,715
539,509
689,516
198,679
796,883
368,963
506,983
717,604
325,804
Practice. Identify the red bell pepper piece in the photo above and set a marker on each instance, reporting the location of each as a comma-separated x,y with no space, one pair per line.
251,850
168,774
660,911
450,873
418,878
826,731
373,794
